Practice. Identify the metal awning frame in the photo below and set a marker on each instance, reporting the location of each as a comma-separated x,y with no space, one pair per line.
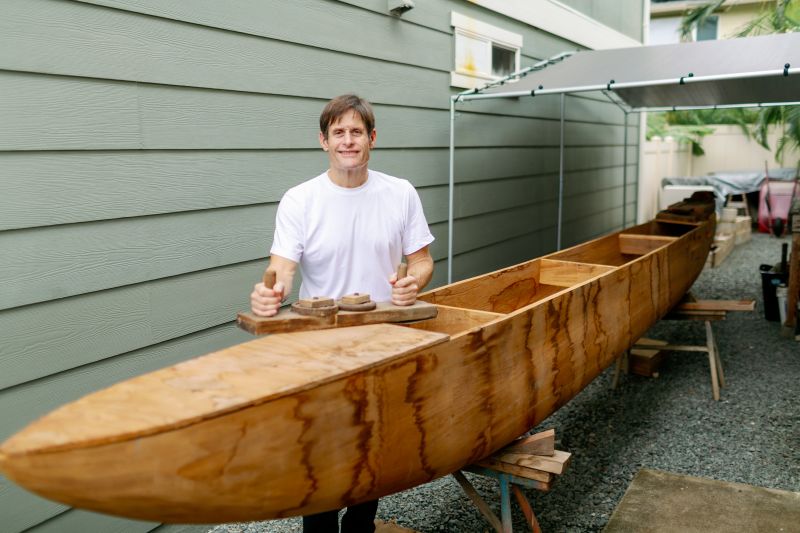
607,90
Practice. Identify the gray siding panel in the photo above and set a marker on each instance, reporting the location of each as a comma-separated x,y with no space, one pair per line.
22,509
77,521
146,144
42,339
307,22
624,16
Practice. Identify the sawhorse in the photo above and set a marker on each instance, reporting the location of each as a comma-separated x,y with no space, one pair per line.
704,310
515,471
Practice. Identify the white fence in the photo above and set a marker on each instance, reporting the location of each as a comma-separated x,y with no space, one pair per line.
726,150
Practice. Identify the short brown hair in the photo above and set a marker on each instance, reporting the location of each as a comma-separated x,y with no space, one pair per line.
341,105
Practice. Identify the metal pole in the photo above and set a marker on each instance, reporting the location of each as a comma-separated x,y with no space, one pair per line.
560,175
451,186
625,175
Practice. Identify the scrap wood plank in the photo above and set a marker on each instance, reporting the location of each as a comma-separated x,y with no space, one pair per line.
542,443
717,305
555,464
288,321
517,470
646,356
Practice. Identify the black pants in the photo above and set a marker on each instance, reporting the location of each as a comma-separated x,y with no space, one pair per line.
357,519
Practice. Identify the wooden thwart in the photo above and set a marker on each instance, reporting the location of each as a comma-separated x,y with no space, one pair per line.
636,244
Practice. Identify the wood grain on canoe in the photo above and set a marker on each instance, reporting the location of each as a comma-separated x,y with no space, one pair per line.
305,422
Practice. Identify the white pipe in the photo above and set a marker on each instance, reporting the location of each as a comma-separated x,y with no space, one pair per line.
560,175
715,106
451,187
625,175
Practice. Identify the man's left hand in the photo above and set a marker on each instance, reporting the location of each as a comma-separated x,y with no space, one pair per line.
404,290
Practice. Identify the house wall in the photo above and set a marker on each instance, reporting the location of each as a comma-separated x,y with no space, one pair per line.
624,16
733,19
146,143
666,17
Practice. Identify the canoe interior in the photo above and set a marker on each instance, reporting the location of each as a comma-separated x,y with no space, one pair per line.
477,301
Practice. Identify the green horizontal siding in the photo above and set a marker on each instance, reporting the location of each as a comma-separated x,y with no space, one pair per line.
58,113
45,338
78,521
24,403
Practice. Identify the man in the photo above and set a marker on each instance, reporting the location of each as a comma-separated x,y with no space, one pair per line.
348,229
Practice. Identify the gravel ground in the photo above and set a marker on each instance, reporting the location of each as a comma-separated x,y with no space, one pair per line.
668,423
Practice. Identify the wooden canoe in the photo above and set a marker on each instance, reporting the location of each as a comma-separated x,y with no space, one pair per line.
298,423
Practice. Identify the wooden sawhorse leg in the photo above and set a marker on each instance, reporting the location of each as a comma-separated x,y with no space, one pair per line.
621,365
714,360
508,483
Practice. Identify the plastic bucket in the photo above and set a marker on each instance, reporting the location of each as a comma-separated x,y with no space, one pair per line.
781,292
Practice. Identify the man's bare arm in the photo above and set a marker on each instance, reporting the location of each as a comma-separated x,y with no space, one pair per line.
420,271
266,302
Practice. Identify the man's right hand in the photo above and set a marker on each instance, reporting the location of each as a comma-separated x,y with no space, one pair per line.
264,301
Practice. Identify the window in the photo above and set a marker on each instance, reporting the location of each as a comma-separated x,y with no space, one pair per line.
483,52
666,30
708,31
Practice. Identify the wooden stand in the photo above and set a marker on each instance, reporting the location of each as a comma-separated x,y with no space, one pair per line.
706,311
515,471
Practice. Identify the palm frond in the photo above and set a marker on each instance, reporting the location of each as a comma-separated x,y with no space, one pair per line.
696,17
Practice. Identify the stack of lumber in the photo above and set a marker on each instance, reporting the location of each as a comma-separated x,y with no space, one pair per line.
720,250
744,229
732,229
727,222
533,457
529,462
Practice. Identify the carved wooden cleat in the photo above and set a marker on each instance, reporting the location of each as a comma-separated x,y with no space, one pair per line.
356,302
316,306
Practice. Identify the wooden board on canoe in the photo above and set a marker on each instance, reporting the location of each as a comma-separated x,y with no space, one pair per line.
287,320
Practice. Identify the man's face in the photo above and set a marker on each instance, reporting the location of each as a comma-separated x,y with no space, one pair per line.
347,142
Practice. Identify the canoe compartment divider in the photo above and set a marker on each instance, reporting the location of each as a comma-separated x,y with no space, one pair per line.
638,244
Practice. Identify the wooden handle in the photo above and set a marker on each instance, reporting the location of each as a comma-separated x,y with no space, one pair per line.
402,270
269,278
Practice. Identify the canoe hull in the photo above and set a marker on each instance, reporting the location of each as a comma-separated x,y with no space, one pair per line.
394,425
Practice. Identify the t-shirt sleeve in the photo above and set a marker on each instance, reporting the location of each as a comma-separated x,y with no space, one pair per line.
288,241
417,235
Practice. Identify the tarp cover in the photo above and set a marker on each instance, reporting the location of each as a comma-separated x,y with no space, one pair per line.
662,66
726,183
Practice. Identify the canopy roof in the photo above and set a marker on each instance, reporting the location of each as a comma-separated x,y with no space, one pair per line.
749,70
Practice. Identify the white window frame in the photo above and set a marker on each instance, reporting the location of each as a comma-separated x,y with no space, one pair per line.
466,27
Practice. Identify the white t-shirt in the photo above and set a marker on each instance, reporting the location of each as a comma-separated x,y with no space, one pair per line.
350,240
